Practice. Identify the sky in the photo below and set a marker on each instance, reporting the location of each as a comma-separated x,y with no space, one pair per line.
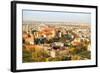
52,16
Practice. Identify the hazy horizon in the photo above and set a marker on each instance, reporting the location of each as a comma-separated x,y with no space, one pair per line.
51,16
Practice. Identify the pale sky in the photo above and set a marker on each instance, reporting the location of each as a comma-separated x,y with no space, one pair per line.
51,16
